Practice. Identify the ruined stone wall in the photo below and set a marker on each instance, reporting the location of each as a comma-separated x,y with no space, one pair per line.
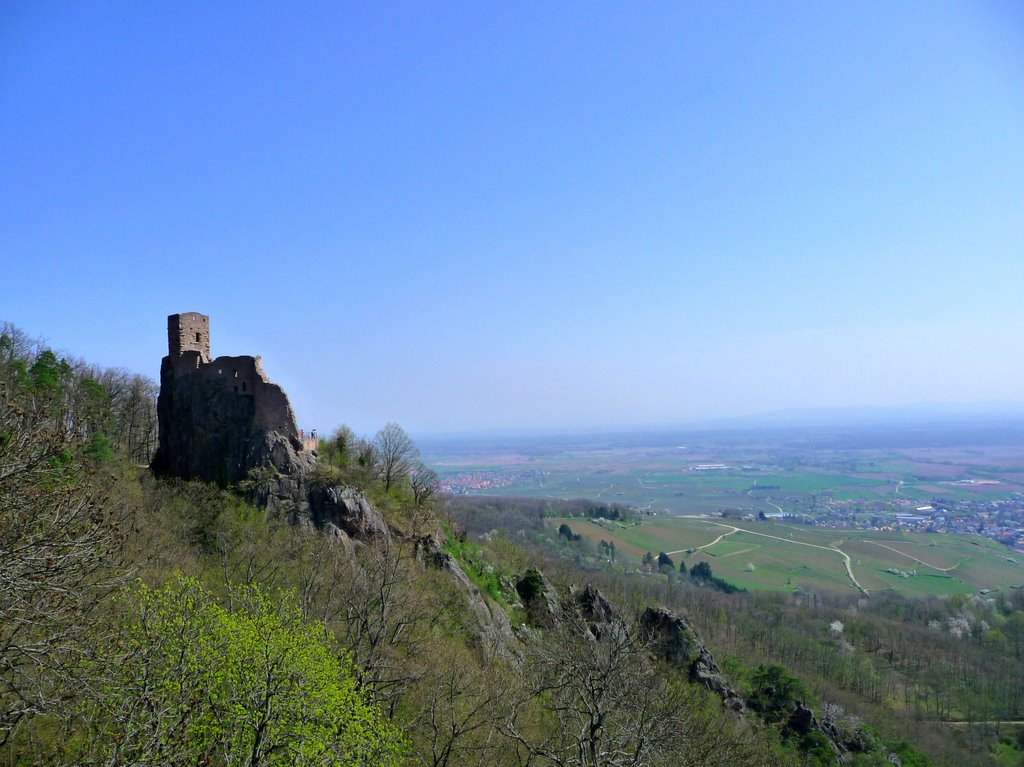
222,418
219,418
244,376
189,331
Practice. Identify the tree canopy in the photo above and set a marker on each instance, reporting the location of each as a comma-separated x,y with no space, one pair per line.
193,682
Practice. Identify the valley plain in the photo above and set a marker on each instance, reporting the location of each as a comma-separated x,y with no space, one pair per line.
919,509
771,555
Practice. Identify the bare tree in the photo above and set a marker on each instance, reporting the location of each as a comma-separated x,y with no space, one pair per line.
59,546
598,701
423,481
366,597
458,720
396,453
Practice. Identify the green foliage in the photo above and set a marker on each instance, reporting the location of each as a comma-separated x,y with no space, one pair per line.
591,510
98,448
484,573
531,585
816,749
75,399
910,756
607,548
202,512
774,692
341,449
48,374
192,682
701,572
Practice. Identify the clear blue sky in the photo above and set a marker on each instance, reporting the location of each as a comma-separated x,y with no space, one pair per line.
508,215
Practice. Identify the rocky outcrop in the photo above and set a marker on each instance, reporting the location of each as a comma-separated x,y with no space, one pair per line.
348,510
594,608
803,722
496,636
678,644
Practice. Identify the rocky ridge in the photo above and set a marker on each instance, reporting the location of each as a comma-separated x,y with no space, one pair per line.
496,635
677,642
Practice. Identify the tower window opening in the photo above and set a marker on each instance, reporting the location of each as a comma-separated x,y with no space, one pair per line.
236,390
236,374
198,339
243,385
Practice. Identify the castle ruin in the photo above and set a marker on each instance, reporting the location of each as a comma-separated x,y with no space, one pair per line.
220,418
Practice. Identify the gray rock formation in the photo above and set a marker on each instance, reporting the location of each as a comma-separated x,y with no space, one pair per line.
593,606
803,722
679,645
497,638
348,510
594,609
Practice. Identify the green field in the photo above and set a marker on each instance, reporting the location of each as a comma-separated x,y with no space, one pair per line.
682,490
750,477
778,556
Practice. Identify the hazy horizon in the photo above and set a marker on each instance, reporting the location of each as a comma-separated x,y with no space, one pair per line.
475,219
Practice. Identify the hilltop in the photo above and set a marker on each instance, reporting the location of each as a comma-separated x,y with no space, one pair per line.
378,621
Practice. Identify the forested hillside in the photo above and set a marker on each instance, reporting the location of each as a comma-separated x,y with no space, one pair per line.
161,622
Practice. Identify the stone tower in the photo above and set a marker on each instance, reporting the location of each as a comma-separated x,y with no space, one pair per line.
189,332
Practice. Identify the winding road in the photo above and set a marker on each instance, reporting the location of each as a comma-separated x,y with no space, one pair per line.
708,545
733,529
911,556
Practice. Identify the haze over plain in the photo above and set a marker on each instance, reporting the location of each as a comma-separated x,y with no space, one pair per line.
466,218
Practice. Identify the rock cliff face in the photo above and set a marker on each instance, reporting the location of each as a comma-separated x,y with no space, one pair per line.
222,420
593,606
539,598
496,636
348,510
680,646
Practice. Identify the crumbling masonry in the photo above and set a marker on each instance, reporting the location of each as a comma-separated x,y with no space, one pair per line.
219,418
222,421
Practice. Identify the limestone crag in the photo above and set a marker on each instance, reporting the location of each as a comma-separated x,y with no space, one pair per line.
680,646
348,510
539,597
594,609
593,606
496,636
